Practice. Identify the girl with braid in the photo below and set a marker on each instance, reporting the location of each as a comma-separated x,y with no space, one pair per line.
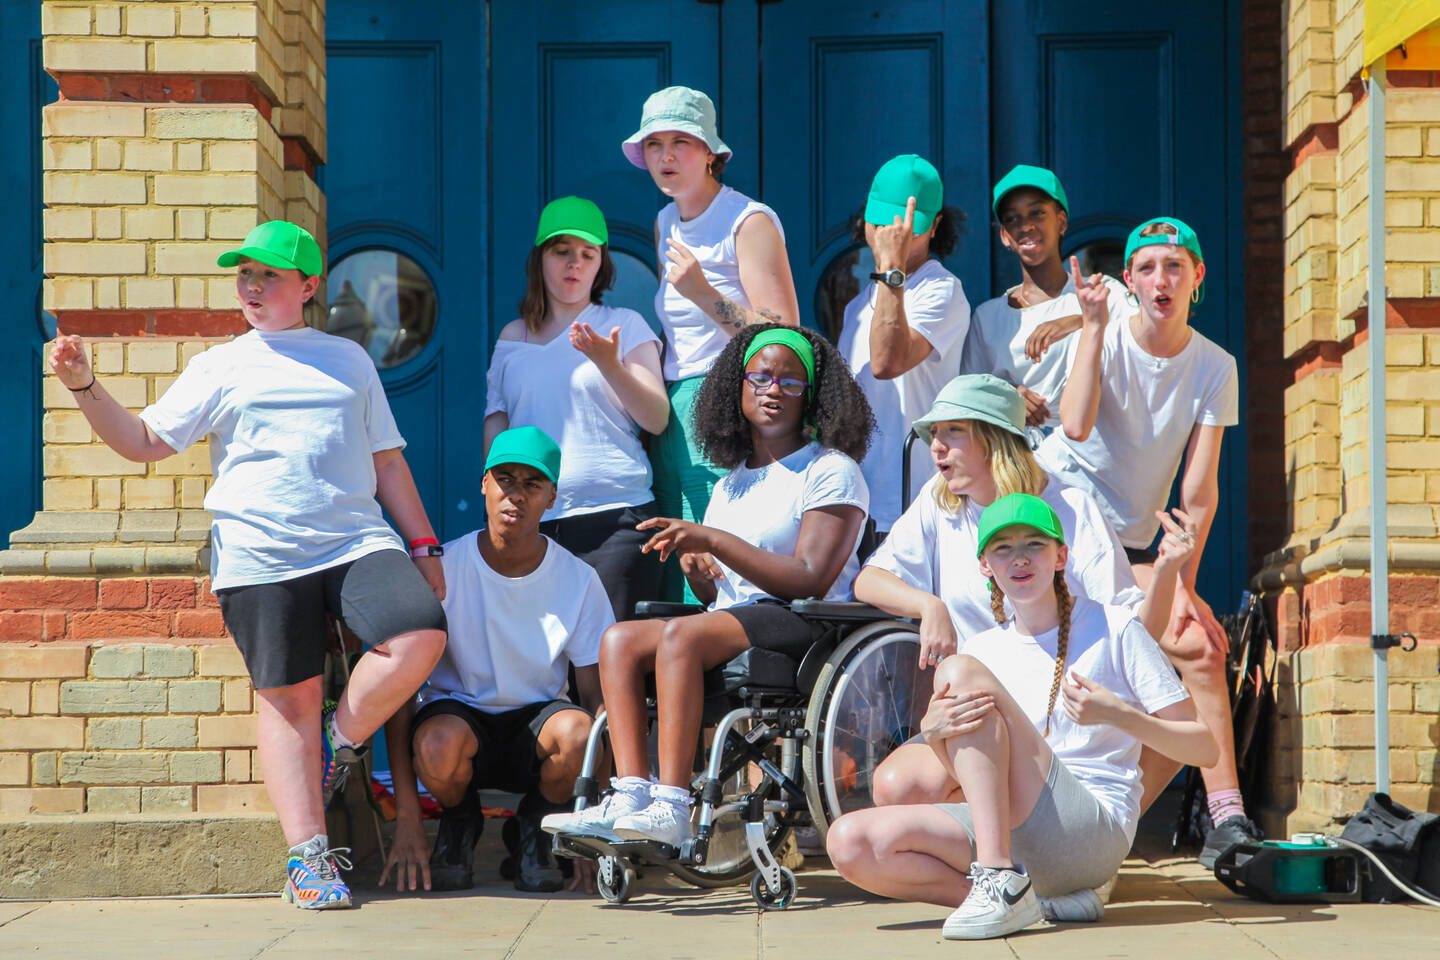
1039,721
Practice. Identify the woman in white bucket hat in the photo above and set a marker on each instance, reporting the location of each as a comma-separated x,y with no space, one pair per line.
723,266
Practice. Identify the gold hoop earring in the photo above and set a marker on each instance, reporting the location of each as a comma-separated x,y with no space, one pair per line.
1195,295
710,167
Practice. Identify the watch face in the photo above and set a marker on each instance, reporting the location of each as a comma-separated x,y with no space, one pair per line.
895,278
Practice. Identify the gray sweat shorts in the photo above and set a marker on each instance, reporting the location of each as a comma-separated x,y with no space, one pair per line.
1069,842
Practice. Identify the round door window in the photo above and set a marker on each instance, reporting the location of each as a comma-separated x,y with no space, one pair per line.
841,282
384,301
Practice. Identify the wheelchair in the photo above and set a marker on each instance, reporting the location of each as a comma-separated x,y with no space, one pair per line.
814,731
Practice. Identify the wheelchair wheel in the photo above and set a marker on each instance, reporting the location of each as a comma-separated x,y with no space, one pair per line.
774,901
868,700
614,879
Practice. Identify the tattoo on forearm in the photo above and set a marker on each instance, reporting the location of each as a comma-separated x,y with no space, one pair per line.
730,314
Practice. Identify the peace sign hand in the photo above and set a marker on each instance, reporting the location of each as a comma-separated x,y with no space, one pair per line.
1179,542
891,244
1093,295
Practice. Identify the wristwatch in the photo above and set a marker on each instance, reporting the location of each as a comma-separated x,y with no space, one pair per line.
891,278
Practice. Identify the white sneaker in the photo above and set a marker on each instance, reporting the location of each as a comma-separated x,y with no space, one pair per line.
1081,906
1108,887
598,820
1001,901
659,820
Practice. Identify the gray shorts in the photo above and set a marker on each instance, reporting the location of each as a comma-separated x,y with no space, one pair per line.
1069,842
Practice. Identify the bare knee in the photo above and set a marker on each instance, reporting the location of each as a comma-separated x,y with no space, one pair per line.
846,843
620,645
680,639
897,781
442,750
963,673
1197,659
568,732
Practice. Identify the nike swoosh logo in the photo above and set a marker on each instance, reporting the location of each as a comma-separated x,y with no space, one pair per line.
1010,899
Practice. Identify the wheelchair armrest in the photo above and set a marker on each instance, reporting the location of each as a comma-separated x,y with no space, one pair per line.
838,610
661,609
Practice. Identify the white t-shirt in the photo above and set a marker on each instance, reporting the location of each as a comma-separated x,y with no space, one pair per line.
1148,408
693,340
294,419
998,333
764,506
555,387
933,550
935,308
1109,646
512,639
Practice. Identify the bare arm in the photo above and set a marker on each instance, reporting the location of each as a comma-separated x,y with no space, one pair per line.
495,424
587,685
1200,491
764,276
409,851
881,588
636,380
1080,400
120,429
1176,731
894,347
827,535
395,489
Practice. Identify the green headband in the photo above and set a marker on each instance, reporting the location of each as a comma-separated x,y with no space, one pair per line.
786,337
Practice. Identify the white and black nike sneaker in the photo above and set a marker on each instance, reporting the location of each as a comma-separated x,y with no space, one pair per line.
1001,901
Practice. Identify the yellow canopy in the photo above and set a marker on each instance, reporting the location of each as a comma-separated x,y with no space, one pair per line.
1389,23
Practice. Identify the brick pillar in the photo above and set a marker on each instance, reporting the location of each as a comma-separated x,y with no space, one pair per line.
1323,759
179,127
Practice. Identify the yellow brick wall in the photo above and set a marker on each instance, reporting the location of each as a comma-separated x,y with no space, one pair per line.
125,729
239,37
81,473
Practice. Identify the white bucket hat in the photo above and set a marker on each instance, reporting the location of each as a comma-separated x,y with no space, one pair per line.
675,108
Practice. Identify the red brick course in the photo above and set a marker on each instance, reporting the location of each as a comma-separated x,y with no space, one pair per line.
162,608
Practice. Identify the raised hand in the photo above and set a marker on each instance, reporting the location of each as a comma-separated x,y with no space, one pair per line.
686,274
602,351
70,360
1179,542
1092,293
890,245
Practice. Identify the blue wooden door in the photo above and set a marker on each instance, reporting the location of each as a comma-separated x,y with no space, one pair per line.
1136,107
845,86
405,185
23,325
568,83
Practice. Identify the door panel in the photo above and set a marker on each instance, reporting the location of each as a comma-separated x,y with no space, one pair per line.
848,85
406,129
569,82
28,88
1136,107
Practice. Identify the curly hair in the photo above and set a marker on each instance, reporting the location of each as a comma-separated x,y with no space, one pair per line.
836,411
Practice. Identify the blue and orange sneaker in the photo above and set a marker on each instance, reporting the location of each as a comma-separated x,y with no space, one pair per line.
312,876
335,761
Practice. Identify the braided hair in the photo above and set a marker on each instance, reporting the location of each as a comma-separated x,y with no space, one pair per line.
1064,604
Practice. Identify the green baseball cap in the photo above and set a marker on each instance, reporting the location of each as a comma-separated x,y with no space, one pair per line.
1036,178
899,179
528,445
279,243
1013,510
1179,233
975,396
574,216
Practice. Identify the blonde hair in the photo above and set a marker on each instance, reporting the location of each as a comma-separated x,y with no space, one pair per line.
1012,466
1064,604
1158,229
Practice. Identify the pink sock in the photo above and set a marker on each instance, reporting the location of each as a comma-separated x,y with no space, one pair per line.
1225,804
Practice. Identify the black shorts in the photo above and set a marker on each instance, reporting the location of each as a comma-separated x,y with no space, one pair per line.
769,625
1140,555
507,758
609,542
281,629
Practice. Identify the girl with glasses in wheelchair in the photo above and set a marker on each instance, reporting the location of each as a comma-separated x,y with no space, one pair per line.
782,413
1046,799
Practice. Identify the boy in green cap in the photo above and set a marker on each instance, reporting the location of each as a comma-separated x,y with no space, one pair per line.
302,444
1144,394
902,334
1023,335
522,609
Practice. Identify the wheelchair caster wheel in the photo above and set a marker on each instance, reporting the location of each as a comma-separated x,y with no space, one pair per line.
614,877
774,901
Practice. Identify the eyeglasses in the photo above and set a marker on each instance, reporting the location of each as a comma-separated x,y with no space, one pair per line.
760,382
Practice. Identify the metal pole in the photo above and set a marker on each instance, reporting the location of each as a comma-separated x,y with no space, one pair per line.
1379,539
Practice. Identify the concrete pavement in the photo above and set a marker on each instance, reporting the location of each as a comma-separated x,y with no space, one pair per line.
1161,905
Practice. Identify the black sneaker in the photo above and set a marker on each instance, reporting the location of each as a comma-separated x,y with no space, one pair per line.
535,868
452,862
1224,835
